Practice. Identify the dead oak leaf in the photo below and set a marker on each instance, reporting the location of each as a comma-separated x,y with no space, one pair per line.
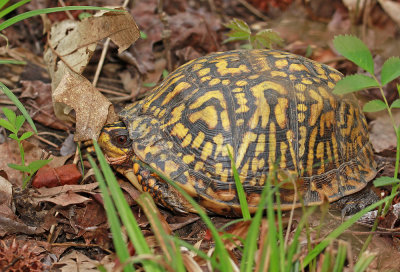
66,199
92,109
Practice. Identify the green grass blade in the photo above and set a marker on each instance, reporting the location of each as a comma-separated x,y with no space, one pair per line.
32,13
115,226
334,234
281,239
220,250
11,61
240,190
294,246
9,9
340,257
3,3
274,262
363,263
19,105
132,228
149,209
250,246
327,261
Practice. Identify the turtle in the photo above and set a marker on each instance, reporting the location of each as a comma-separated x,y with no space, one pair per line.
274,111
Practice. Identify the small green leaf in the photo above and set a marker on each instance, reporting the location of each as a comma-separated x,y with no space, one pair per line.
22,168
15,100
354,83
149,85
84,15
10,115
268,37
390,70
374,106
26,135
19,122
13,136
7,125
143,35
165,73
355,50
384,181
239,25
36,165
234,39
395,104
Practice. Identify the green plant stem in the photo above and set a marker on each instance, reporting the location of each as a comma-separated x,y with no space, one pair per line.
21,152
396,167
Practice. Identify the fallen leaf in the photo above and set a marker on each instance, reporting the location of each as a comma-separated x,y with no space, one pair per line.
37,95
48,192
66,199
382,135
75,261
92,109
392,8
71,45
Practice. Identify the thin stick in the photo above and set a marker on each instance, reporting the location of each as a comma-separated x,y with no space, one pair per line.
253,10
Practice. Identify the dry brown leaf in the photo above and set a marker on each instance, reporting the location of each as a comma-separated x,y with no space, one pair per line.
76,261
9,222
66,199
37,95
392,8
48,192
92,109
382,134
71,45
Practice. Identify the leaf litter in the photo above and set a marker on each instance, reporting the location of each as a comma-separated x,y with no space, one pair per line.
195,30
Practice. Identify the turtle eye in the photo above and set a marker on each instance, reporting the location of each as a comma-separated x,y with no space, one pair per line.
122,139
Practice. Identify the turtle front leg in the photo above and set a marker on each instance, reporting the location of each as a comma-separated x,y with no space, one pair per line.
163,193
354,203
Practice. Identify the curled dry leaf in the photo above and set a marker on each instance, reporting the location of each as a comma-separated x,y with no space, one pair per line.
70,47
52,177
92,109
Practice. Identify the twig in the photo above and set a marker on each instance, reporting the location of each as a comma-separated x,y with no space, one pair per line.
67,11
166,33
103,55
45,141
107,91
253,10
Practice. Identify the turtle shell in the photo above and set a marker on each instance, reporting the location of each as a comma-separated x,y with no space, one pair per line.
274,111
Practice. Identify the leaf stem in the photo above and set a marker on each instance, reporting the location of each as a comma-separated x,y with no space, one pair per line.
396,168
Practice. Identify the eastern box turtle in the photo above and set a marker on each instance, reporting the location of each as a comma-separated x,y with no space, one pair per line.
276,113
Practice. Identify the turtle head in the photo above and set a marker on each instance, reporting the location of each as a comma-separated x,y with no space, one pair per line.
115,142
